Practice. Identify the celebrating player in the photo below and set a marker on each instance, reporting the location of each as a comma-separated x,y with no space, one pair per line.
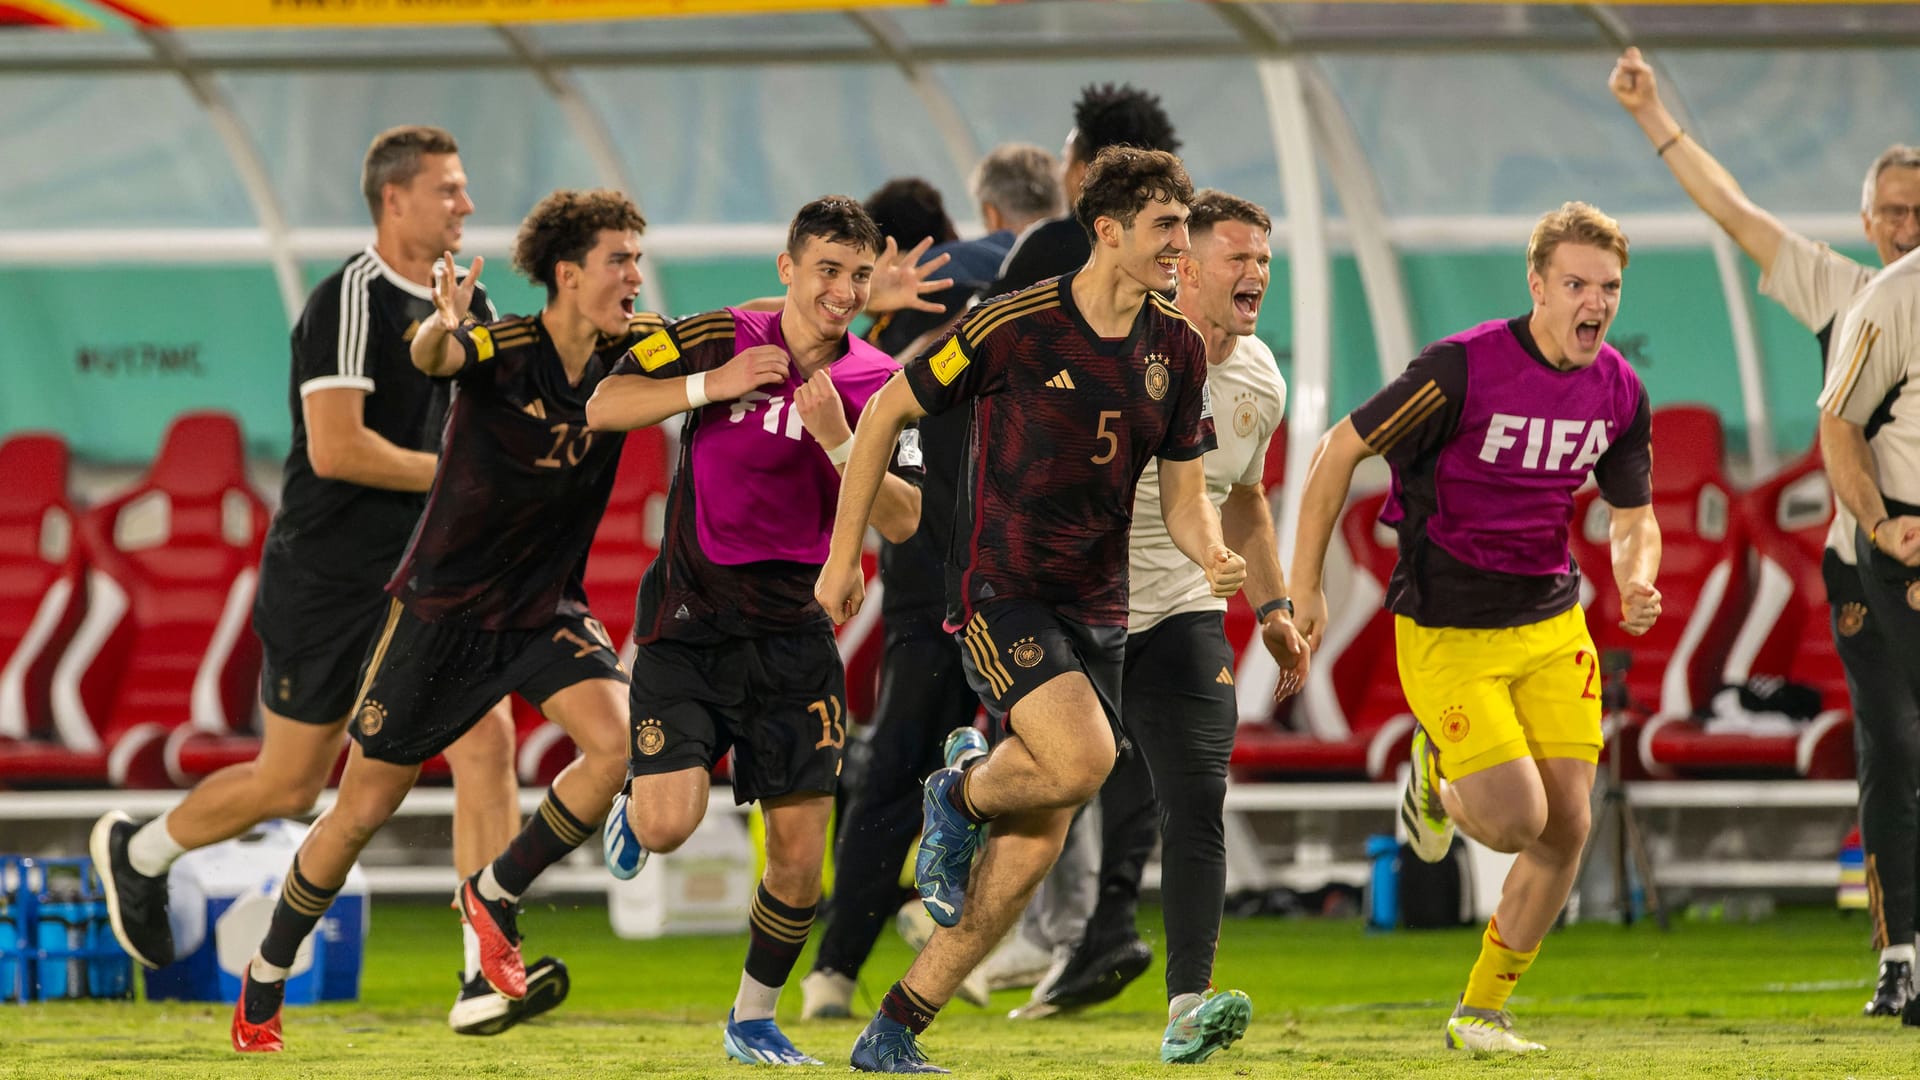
1489,433
1074,385
1180,708
734,653
488,598
366,426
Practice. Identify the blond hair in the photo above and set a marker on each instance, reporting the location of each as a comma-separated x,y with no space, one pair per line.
1574,223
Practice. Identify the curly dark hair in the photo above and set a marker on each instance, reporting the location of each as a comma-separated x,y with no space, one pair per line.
836,219
1211,206
911,210
1123,179
566,225
1124,115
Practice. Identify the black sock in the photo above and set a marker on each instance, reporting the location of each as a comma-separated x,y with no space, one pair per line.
551,834
957,798
263,999
776,933
903,1005
294,917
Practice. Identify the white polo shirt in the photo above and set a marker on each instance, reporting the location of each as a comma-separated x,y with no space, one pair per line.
1249,397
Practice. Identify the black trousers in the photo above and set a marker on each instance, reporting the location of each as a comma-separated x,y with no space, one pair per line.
923,696
1180,713
1876,630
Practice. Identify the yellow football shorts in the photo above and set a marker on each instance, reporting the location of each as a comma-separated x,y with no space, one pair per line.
1487,697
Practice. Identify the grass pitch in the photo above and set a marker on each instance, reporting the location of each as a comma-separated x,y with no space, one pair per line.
1778,999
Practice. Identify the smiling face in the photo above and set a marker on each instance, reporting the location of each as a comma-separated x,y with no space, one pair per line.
428,212
1225,276
1574,302
1892,221
827,285
1148,251
602,286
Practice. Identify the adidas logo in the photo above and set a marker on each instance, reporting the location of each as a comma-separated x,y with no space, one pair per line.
536,409
1225,678
1062,381
683,613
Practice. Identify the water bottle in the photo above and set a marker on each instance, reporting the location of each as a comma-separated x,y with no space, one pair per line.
1383,886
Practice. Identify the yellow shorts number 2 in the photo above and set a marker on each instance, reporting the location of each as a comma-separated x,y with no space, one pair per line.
1487,697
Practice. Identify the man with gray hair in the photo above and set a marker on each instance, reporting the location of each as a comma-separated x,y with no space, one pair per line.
1821,288
923,691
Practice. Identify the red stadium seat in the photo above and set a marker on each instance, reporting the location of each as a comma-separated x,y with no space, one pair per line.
1703,569
1785,634
165,641
1359,719
41,589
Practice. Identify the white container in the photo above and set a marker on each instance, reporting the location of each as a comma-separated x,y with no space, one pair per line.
706,887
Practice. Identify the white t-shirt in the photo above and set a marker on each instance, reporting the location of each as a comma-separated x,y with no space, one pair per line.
1249,398
1817,285
1875,369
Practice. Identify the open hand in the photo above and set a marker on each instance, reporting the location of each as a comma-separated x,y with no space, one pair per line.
1289,649
453,296
901,281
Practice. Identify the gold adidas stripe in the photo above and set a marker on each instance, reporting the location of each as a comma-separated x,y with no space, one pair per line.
568,832
1409,416
379,655
991,318
1225,678
1862,351
981,665
987,655
724,333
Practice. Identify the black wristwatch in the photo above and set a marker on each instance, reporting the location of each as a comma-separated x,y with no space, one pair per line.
1283,604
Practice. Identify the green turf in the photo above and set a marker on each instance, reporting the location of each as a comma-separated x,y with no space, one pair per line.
1777,999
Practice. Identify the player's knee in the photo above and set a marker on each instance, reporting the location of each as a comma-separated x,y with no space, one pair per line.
1516,832
1079,778
658,833
294,798
486,747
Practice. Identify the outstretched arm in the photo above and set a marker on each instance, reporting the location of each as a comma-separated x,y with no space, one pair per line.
841,587
1711,187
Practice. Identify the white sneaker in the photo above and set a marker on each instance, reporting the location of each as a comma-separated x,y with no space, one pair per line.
1017,963
1486,1031
916,928
826,995
1037,1006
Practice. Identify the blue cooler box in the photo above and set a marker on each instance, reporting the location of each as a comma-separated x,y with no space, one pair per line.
222,898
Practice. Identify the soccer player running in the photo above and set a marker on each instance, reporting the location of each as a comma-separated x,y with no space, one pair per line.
1180,708
366,426
1074,385
1819,286
488,598
1489,433
923,691
733,652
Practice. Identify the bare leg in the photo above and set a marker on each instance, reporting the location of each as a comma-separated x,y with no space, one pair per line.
486,794
283,781
667,807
